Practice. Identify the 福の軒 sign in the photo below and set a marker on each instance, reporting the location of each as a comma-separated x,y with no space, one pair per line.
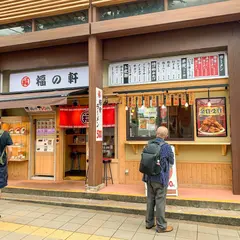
169,69
49,79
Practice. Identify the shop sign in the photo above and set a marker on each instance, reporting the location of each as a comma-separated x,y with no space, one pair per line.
39,109
64,78
99,115
211,120
78,117
170,69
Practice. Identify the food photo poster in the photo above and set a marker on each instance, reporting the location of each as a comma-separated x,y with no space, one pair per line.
211,117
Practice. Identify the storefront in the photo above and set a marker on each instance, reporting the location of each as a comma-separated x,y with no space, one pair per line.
188,93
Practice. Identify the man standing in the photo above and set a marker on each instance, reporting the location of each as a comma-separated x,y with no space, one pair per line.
157,185
5,145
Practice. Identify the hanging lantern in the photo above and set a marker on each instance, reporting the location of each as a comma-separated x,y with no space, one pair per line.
154,101
147,101
160,100
168,100
139,101
191,98
176,100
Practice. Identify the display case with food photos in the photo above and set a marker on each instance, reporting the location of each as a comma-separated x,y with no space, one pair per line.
211,117
18,128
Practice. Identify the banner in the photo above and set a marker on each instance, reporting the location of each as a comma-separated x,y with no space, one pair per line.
160,100
183,98
139,101
133,101
99,114
78,117
176,99
168,100
147,101
154,101
74,117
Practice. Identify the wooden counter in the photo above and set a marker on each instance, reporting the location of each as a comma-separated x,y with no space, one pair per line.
224,145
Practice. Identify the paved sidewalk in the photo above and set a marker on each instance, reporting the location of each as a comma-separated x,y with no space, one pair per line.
35,221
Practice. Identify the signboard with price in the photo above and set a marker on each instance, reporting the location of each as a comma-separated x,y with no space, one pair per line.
211,120
169,69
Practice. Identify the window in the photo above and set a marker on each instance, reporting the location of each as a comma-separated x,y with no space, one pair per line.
131,9
175,4
143,122
108,142
15,28
61,20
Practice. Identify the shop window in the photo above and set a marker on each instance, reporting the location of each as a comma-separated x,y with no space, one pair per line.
61,20
109,142
15,28
175,4
131,9
143,122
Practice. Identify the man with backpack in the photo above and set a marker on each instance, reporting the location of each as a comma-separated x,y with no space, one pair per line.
156,162
5,145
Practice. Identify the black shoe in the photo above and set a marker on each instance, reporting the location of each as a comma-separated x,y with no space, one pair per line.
150,227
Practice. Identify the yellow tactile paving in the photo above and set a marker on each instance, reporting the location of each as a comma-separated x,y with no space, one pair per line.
60,234
78,236
43,232
27,229
9,227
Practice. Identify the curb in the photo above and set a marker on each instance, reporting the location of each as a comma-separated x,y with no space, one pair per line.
188,216
221,205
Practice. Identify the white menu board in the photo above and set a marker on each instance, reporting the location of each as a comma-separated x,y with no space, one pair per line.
180,68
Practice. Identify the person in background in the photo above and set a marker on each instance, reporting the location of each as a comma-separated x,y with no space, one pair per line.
6,153
157,186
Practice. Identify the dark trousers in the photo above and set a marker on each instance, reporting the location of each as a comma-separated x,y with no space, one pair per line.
156,196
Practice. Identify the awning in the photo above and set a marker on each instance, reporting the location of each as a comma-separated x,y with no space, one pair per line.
22,100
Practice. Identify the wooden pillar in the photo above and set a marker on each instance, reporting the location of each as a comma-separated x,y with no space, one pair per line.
95,81
234,74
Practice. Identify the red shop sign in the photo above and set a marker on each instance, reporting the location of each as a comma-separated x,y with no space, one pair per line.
78,117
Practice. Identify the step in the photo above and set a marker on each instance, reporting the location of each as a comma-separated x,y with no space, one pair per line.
207,215
221,205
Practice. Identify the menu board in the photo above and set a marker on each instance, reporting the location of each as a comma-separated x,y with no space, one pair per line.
45,127
211,120
44,145
180,68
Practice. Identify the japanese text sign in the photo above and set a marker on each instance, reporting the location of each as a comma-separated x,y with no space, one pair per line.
169,69
49,79
99,115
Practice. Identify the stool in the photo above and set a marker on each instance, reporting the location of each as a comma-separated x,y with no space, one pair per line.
107,164
75,155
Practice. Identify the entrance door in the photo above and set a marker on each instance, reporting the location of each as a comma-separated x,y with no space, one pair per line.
45,147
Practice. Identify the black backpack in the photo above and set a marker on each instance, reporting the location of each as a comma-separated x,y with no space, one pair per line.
150,159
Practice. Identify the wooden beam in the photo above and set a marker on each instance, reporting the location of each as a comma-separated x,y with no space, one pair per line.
95,81
234,73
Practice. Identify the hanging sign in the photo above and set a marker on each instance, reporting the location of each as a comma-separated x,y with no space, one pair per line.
154,101
147,101
133,101
109,116
169,69
160,100
176,100
49,79
99,115
183,98
191,98
168,100
139,101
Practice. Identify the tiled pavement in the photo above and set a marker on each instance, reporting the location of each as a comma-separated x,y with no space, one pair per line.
35,221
